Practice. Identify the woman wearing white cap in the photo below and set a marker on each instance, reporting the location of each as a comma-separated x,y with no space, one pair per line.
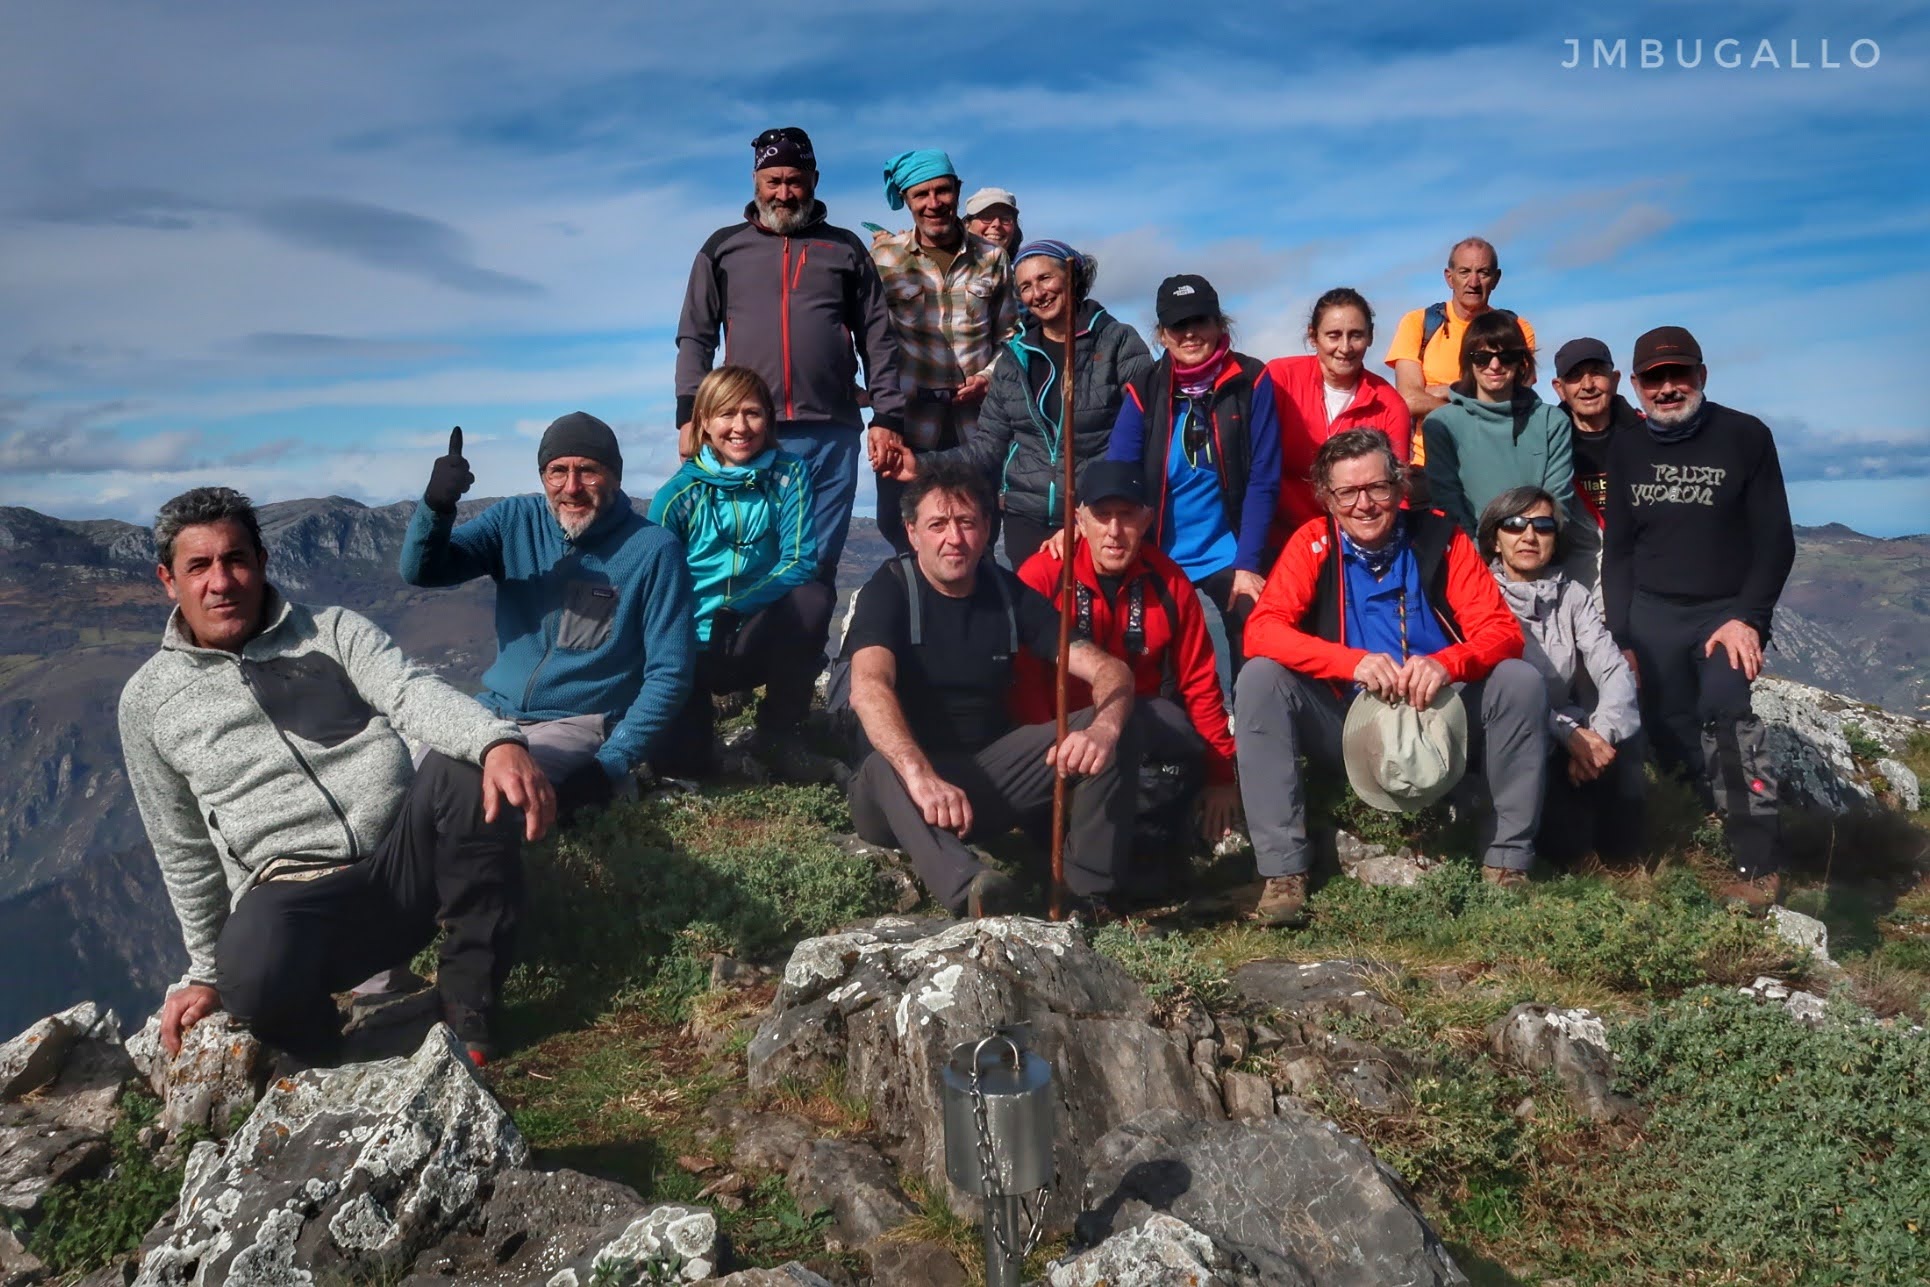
993,213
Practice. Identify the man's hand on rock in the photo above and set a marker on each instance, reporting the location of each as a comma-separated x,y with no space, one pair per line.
510,777
185,1007
450,477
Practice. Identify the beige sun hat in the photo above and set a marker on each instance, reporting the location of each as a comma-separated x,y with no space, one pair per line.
1401,760
985,198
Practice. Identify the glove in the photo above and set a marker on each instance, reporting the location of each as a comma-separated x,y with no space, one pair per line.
450,478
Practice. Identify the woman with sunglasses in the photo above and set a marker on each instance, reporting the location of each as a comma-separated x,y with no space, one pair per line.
1495,431
1202,422
1593,800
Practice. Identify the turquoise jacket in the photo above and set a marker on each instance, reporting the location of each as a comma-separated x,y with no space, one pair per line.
1477,450
595,625
746,530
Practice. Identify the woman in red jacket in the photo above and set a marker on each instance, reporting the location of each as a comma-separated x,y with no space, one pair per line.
1324,393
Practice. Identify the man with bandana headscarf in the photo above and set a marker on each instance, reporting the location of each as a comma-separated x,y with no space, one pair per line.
791,296
951,300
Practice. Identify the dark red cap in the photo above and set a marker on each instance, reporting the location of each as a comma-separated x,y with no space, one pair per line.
1666,346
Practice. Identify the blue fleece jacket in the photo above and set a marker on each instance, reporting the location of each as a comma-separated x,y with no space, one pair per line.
598,625
746,529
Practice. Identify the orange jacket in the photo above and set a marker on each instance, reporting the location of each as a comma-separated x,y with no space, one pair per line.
1182,645
1301,618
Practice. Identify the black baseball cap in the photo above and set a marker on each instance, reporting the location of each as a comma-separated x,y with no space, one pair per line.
1112,480
1575,352
1666,346
1184,296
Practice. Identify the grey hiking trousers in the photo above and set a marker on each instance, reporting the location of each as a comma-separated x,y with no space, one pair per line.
1281,715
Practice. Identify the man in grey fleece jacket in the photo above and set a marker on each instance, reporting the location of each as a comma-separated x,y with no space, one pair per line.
300,850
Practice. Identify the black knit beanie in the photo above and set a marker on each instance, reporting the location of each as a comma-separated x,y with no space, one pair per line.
580,434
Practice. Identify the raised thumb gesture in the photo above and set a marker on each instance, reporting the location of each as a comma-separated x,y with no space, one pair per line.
450,477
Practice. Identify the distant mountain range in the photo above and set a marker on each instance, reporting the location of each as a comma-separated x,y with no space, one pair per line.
82,911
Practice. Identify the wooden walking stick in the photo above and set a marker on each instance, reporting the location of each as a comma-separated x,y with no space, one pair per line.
1066,596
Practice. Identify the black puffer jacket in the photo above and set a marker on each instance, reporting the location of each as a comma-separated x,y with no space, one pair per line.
1016,442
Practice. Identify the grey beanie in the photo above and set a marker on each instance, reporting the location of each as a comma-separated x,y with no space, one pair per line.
580,434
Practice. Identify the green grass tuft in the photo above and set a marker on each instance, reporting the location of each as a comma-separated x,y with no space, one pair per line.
85,1225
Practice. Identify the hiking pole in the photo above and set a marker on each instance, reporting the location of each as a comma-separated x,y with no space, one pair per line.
1057,906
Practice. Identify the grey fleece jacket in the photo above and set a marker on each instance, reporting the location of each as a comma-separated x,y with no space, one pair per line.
1567,640
288,749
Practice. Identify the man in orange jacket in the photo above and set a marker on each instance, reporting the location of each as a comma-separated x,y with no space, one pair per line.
1135,603
1397,604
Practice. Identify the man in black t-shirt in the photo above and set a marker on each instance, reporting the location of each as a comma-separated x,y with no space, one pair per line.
1698,545
931,645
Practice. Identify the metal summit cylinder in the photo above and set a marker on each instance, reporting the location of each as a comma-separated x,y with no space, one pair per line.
1015,1085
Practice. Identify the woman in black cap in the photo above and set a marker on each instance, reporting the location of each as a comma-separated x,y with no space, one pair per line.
1201,421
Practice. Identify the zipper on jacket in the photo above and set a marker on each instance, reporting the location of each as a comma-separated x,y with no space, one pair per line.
550,631
354,848
784,322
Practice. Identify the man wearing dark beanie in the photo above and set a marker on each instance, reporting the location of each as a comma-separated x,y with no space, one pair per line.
801,303
594,641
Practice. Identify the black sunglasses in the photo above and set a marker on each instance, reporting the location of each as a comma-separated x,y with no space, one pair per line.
1509,357
1521,523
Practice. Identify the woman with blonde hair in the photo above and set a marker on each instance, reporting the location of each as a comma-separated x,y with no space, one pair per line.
742,508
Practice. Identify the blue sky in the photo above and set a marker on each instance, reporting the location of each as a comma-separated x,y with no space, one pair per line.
286,247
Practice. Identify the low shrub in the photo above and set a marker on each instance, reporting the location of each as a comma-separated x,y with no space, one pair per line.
87,1224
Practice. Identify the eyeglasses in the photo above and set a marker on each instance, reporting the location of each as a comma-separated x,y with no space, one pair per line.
1485,274
1518,523
1509,357
1348,497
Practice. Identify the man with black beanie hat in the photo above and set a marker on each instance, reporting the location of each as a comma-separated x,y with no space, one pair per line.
799,302
594,636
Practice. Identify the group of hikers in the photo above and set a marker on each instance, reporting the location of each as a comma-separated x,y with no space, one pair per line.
1439,584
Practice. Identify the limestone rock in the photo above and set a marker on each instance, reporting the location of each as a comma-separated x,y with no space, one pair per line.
1162,1252
764,1142
37,1153
1297,1198
1310,992
682,1236
1809,746
221,1068
1248,1095
904,992
855,1183
786,1275
37,1055
1575,1045
18,1266
914,1264
1370,864
534,1224
1804,1007
1804,933
351,1171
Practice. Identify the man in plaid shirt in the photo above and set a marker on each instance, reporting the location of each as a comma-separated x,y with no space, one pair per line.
951,301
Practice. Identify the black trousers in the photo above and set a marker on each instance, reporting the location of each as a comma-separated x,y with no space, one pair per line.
1023,537
289,944
1696,713
1606,815
781,647
1219,588
1009,784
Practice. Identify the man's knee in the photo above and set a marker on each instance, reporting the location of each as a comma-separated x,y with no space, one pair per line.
1515,690
261,964
1262,682
874,778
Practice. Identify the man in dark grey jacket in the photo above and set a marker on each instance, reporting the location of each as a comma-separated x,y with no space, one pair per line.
792,295
300,850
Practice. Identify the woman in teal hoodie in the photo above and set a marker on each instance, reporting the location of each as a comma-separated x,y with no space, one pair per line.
1495,433
742,508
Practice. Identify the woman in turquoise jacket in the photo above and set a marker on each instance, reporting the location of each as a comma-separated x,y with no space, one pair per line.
742,508
1495,433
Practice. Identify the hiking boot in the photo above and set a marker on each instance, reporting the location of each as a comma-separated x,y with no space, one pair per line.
1753,896
1504,877
993,893
1283,902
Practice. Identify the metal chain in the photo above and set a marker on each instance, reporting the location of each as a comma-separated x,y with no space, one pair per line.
988,1170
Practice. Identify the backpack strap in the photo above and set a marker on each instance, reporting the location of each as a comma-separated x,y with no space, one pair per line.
1169,677
1431,323
917,620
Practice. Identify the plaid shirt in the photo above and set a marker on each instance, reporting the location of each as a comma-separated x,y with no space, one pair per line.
949,327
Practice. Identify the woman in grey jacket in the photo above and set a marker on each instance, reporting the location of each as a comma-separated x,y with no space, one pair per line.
1595,787
1017,441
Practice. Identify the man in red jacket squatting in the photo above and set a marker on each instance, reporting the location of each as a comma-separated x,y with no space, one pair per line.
1398,604
1135,603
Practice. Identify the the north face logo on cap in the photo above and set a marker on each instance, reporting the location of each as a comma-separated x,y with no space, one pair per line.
1182,290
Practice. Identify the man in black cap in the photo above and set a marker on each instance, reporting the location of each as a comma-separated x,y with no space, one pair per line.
594,636
1698,544
792,295
933,643
1586,379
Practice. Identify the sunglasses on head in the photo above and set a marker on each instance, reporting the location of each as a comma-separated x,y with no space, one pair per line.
1521,523
1509,357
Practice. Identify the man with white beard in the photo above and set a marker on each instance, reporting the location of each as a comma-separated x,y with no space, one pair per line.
793,297
1697,545
594,637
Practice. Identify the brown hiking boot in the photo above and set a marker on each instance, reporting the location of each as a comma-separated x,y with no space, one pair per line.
1504,877
1753,895
1283,902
